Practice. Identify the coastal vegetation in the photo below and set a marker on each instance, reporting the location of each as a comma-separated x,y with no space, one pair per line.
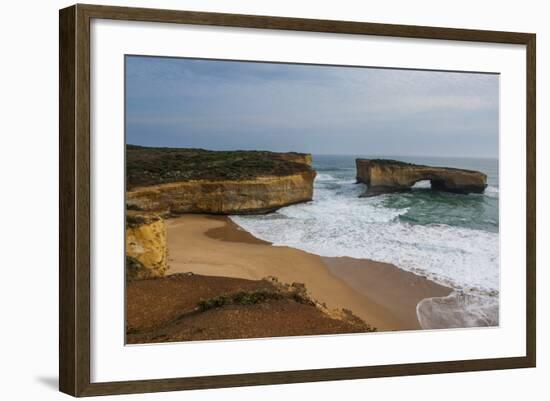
185,307
146,166
177,181
164,183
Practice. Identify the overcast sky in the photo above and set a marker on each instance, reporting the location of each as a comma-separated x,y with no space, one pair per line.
304,108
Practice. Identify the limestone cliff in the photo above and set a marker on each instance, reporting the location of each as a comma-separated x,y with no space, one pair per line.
177,181
384,176
162,182
260,195
146,166
146,250
293,157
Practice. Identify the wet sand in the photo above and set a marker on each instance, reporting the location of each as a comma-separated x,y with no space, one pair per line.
386,285
379,293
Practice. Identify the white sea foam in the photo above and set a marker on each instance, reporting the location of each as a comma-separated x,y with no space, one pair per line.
339,223
492,192
458,310
423,184
324,177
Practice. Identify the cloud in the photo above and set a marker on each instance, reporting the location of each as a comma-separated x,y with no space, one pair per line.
228,105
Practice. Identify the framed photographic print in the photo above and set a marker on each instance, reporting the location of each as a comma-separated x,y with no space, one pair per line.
251,200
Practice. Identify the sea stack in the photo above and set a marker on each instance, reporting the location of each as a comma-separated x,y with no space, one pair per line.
386,176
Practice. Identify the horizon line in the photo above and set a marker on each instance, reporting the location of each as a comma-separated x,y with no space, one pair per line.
322,154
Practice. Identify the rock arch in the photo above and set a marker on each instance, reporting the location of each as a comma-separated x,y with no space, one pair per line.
385,176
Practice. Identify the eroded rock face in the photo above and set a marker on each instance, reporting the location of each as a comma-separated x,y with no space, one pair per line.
163,182
146,249
253,196
300,158
180,180
386,176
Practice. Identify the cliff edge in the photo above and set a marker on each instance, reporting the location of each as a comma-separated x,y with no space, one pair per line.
164,182
146,250
177,181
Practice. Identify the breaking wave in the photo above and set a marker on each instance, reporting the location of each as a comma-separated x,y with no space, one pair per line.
339,223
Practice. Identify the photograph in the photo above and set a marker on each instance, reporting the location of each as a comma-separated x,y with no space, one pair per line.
270,199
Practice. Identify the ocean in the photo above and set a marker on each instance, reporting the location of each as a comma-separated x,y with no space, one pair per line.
451,239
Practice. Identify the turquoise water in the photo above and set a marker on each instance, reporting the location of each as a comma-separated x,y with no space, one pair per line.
477,211
450,238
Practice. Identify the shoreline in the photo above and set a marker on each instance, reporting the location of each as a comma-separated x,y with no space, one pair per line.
381,294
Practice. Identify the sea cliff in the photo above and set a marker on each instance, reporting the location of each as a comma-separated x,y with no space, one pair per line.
386,176
252,196
146,249
167,182
178,181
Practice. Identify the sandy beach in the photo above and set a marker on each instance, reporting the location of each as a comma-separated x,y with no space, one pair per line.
379,293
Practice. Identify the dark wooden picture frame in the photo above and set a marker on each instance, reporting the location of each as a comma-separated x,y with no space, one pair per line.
74,204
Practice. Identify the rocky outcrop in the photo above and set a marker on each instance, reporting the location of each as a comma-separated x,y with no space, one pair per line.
293,157
146,250
164,182
176,181
192,307
386,176
260,195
